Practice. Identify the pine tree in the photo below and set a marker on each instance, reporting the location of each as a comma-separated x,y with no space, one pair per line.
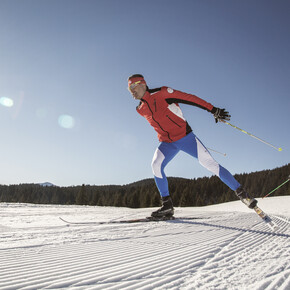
82,198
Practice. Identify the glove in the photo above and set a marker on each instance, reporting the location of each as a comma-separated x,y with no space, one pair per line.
220,114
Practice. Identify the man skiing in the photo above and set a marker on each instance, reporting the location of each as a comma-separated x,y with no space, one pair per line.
160,108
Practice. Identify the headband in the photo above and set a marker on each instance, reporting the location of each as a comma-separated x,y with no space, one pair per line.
136,79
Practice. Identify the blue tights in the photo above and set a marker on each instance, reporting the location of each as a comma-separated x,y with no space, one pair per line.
193,146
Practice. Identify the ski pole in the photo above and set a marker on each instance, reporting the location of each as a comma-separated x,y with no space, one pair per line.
217,151
279,149
278,186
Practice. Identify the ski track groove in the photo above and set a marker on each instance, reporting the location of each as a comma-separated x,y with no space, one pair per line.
233,254
201,255
109,262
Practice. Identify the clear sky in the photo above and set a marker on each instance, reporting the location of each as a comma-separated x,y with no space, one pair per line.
67,117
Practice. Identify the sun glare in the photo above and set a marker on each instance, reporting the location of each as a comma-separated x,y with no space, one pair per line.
66,121
6,102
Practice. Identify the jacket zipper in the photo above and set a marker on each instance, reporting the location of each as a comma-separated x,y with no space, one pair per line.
155,105
156,121
173,121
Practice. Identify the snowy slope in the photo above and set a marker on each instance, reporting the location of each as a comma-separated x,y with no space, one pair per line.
226,247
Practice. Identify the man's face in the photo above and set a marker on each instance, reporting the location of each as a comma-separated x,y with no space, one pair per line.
138,91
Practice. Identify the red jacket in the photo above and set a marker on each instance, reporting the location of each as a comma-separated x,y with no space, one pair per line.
160,108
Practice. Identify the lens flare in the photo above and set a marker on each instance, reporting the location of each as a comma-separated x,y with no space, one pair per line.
66,121
6,102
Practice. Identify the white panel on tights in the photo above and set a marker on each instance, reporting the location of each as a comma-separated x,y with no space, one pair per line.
206,160
157,162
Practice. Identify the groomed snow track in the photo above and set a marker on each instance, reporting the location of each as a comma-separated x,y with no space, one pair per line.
220,250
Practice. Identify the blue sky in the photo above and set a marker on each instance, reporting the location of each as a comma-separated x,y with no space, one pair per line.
64,64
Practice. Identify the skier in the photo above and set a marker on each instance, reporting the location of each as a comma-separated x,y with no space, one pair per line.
160,107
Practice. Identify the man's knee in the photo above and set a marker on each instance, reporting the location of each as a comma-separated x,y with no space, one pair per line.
157,163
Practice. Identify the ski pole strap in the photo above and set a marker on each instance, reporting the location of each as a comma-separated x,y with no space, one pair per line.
279,149
278,187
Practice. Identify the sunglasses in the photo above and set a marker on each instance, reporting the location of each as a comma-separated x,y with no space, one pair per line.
134,85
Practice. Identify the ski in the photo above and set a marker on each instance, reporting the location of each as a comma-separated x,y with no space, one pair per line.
128,221
269,222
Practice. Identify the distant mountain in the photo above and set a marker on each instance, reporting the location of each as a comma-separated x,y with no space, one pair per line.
46,184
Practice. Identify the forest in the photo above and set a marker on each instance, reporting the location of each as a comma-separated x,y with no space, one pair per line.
184,192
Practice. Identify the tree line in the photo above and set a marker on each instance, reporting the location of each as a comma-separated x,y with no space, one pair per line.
184,192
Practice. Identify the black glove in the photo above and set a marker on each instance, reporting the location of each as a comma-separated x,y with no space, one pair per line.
220,114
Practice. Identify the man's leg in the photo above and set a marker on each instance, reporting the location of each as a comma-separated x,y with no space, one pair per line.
194,147
163,154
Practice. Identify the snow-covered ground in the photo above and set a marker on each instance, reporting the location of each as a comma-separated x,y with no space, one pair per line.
226,247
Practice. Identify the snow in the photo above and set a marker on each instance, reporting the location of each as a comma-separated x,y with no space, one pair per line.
227,246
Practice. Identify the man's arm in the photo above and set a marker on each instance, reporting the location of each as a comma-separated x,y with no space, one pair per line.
174,96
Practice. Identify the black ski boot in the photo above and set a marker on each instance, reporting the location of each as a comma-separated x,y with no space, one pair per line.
245,198
166,210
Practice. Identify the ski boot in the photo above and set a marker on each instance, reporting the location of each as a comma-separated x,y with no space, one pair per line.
245,198
166,211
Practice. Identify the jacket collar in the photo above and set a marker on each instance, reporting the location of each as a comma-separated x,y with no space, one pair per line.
146,96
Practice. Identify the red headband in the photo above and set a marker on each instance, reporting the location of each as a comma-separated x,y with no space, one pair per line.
136,79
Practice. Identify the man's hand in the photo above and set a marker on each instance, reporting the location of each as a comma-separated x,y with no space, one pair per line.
220,114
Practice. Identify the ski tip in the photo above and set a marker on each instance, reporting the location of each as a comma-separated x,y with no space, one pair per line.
272,225
66,222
